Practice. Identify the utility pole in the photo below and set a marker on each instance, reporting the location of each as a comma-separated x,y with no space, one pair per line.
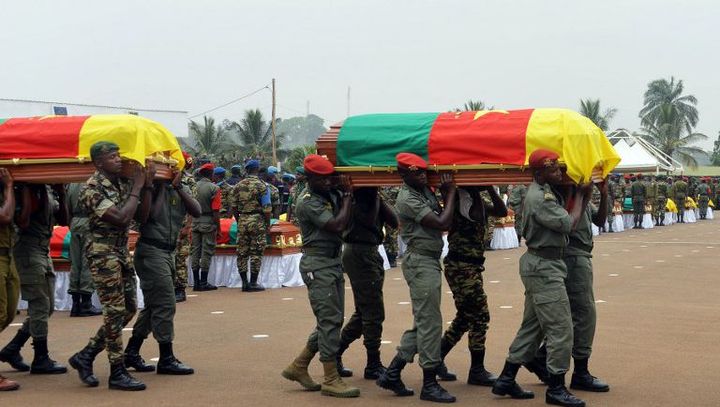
274,150
348,102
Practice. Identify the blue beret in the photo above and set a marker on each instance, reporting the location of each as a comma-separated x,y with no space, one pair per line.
219,170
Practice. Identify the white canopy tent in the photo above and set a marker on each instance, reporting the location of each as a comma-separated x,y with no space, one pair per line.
637,155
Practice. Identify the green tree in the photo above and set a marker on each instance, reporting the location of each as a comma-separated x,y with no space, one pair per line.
670,135
255,135
662,92
300,131
473,105
590,108
715,158
210,139
296,156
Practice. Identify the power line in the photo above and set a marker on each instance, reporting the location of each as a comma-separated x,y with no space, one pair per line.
229,103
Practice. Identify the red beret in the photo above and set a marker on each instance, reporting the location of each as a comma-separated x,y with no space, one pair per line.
411,161
627,176
186,156
639,175
208,167
542,158
318,165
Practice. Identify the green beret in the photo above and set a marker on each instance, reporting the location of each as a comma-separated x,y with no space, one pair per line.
101,148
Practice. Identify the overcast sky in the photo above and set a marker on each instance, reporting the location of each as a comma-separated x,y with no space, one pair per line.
397,56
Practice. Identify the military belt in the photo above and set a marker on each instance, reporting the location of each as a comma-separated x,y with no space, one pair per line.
578,245
39,241
363,245
160,244
549,253
424,252
455,256
4,251
331,252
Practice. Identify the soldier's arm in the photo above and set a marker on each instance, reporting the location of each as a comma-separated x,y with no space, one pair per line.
122,217
388,214
602,212
22,219
192,206
444,220
368,214
498,209
62,215
7,210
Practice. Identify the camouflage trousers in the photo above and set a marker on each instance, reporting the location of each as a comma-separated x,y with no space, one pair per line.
251,242
660,208
466,283
9,290
703,201
182,252
37,287
115,283
391,243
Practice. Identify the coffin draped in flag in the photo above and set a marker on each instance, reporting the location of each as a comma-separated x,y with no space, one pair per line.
57,148
481,146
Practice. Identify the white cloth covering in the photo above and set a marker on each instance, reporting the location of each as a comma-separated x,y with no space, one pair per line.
647,222
275,272
709,214
504,238
690,216
618,224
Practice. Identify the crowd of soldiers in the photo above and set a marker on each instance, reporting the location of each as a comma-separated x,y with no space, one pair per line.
342,229
174,219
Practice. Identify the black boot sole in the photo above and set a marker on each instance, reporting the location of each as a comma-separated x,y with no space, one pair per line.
75,365
389,386
554,402
134,388
590,388
425,397
61,370
176,372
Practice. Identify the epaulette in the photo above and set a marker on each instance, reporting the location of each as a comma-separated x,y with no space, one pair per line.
549,195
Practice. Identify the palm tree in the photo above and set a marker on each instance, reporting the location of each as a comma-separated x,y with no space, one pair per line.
590,108
209,138
670,135
296,156
255,134
660,92
473,105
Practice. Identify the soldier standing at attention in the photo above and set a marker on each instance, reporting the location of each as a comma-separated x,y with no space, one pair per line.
205,228
219,179
269,179
638,192
678,191
422,223
154,264
111,203
297,189
35,223
364,267
236,175
703,197
9,279
182,250
323,216
650,194
662,195
515,202
81,286
251,209
546,226
390,242
464,265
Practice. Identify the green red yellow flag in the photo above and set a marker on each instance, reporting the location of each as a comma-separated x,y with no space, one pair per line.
70,137
499,137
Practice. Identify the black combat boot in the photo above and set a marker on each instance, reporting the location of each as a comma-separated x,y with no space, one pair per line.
254,285
539,368
342,371
11,352
374,368
245,282
392,259
391,378
83,363
75,310
180,295
559,395
42,364
169,365
432,391
507,386
204,285
120,379
583,380
132,356
442,371
196,280
478,375
87,309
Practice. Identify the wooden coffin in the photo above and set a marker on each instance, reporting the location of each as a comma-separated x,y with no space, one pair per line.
63,171
284,239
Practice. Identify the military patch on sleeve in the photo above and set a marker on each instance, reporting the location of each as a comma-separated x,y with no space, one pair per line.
549,195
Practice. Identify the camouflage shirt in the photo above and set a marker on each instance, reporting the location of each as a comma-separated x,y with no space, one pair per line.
662,189
247,196
99,195
467,236
226,193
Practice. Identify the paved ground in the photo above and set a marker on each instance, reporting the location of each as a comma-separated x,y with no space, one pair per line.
657,344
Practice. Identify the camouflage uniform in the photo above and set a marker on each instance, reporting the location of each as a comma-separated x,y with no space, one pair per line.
651,192
678,191
390,242
226,192
9,279
515,202
295,194
110,263
464,265
183,243
638,191
80,278
662,195
703,198
274,198
251,225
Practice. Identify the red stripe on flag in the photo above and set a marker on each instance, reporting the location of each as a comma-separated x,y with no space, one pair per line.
479,138
41,137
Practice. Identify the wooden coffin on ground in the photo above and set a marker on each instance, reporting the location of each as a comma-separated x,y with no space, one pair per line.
479,148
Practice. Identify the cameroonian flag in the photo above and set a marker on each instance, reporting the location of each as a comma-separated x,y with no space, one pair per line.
60,242
491,137
70,137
